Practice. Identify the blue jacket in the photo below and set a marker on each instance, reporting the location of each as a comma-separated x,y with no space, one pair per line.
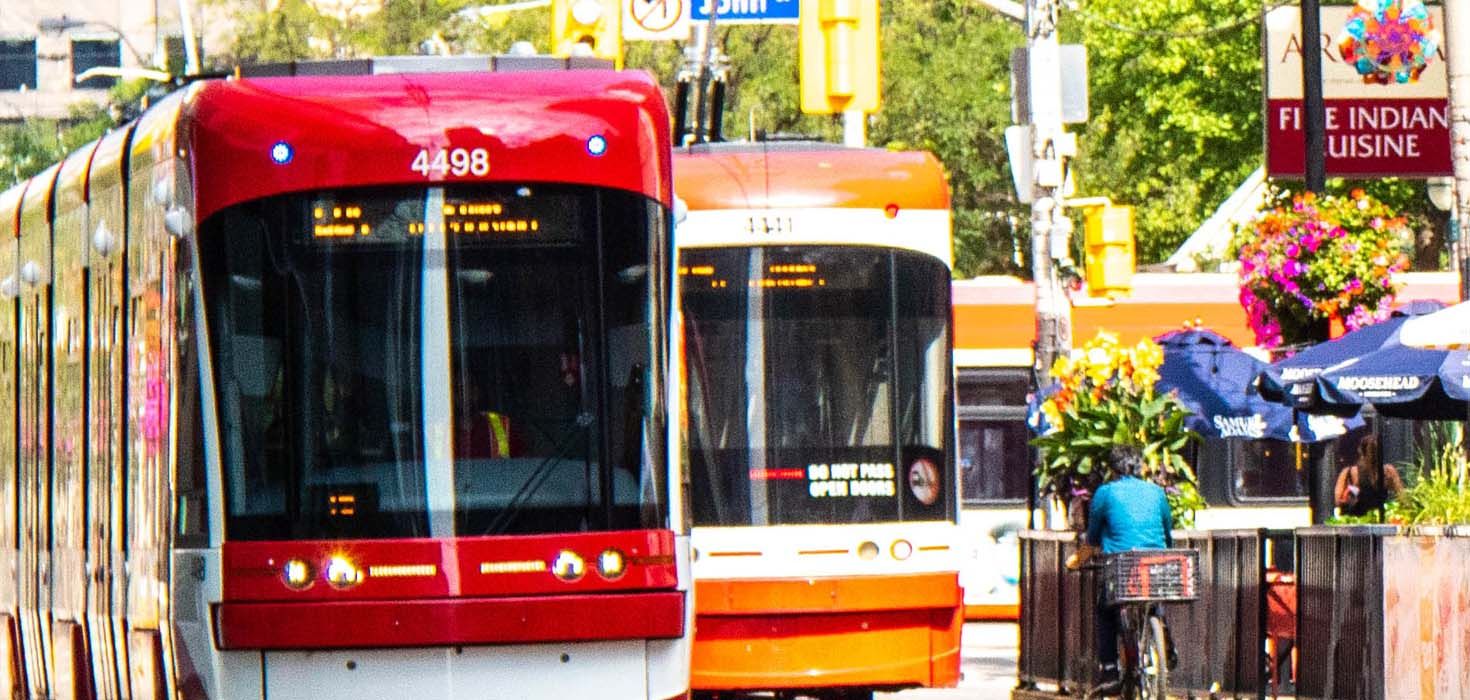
1129,513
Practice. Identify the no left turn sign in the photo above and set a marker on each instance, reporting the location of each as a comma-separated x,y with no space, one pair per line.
655,20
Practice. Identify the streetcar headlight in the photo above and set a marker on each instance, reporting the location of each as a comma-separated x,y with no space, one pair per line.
868,551
342,573
297,574
612,564
901,549
568,566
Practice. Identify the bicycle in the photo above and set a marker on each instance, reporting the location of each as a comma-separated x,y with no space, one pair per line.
1137,583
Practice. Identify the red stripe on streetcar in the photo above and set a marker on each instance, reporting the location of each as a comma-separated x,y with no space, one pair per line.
414,623
777,474
410,569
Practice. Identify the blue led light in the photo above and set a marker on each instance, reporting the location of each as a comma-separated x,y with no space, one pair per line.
281,153
597,145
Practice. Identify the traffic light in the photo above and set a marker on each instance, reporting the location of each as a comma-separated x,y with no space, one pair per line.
587,28
1108,261
839,56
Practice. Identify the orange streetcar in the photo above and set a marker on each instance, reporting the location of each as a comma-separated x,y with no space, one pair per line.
816,419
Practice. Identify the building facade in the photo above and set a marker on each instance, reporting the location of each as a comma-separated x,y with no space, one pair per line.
46,44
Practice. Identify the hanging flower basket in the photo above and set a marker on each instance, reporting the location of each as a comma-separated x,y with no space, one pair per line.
1316,267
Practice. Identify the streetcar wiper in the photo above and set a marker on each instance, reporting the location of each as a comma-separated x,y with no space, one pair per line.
537,477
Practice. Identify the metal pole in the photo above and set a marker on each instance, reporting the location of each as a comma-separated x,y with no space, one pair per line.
1457,50
1314,110
854,128
1049,225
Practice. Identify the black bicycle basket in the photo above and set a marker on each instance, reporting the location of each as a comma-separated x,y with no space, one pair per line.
1151,575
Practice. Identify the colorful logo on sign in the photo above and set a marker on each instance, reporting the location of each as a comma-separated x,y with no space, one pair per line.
1389,41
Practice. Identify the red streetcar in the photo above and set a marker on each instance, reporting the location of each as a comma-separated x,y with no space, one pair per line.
346,386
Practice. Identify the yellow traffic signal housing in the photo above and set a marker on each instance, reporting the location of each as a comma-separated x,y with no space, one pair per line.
1108,250
839,56
587,28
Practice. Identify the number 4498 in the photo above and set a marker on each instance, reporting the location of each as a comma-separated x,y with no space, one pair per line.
451,161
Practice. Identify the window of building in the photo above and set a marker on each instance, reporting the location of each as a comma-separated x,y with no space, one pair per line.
92,53
994,458
17,64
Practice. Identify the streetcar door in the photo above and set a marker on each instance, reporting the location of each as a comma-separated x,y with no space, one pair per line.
35,433
10,677
104,465
72,670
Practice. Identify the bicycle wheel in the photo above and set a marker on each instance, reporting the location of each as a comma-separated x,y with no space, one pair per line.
1153,660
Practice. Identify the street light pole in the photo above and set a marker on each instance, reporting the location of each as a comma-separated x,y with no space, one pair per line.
1314,110
1457,50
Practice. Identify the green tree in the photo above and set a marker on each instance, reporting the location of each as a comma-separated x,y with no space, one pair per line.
1176,109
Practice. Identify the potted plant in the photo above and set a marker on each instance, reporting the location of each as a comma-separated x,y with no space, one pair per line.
1314,267
1104,396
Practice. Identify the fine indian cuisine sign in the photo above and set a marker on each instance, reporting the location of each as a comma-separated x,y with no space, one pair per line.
1373,130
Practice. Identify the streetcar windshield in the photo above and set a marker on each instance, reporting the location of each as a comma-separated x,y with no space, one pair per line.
817,383
458,361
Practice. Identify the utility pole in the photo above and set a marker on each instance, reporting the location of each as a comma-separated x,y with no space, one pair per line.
1457,50
1051,229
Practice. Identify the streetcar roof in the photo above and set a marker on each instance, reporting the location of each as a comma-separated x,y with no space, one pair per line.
346,131
781,175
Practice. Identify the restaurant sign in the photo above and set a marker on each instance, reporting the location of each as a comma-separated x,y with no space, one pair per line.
1373,130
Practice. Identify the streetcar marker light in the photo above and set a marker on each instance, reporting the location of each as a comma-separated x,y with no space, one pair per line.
901,549
868,551
597,145
342,573
890,211
568,566
611,564
297,574
282,153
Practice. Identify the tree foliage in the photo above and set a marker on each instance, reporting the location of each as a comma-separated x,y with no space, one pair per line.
1176,109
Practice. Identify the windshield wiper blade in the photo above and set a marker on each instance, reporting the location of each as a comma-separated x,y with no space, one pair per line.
537,477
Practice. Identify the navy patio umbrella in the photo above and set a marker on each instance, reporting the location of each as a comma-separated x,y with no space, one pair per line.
1213,378
1290,381
1401,382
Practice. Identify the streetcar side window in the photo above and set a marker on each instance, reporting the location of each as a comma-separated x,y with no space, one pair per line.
1269,470
994,455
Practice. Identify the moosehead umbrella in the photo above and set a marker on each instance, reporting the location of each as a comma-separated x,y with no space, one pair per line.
1291,381
1401,382
1213,378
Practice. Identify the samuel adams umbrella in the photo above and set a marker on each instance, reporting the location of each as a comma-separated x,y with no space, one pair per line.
1213,377
1290,380
1402,382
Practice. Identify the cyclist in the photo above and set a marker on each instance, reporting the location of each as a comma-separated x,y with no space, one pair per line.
1127,513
